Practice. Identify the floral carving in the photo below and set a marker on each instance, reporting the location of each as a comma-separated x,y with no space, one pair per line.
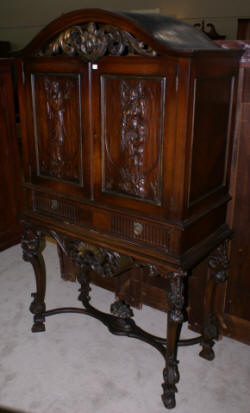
219,262
92,41
133,136
31,243
104,262
176,297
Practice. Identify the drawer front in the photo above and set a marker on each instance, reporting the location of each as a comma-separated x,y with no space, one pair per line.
56,207
140,230
125,227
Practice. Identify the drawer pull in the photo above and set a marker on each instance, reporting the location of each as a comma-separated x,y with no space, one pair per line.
54,204
138,228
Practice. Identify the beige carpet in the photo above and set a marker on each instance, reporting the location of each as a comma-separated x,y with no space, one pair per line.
78,366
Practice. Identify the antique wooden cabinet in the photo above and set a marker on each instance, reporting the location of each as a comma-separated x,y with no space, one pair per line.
127,125
10,186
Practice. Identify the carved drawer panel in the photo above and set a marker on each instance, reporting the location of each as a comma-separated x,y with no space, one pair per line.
140,230
56,207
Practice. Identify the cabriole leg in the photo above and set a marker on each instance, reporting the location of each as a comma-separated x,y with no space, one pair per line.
84,280
33,244
175,320
218,263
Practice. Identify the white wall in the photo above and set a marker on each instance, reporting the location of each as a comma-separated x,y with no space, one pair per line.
20,20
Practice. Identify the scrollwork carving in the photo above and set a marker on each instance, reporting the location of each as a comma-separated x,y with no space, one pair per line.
218,262
104,262
171,377
93,40
88,257
176,297
153,271
31,243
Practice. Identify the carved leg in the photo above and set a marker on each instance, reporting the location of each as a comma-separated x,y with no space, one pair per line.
175,320
33,244
209,334
84,280
218,264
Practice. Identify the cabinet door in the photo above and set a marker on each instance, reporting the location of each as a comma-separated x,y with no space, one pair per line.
132,118
56,123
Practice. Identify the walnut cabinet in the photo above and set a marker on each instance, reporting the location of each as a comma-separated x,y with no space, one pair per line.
127,125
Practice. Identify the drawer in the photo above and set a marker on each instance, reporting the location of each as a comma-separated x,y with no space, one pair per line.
130,228
55,206
140,230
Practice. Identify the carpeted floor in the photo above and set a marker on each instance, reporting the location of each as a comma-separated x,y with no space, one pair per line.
77,366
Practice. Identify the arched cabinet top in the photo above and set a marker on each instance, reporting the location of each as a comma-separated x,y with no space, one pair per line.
92,33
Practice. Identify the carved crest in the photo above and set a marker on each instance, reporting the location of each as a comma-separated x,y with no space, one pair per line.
92,41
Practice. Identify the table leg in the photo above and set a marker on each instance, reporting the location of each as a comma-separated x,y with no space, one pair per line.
33,244
218,263
175,320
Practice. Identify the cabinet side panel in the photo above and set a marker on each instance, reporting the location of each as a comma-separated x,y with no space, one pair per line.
132,110
211,134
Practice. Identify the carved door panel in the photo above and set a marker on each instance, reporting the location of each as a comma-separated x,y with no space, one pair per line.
132,126
56,93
